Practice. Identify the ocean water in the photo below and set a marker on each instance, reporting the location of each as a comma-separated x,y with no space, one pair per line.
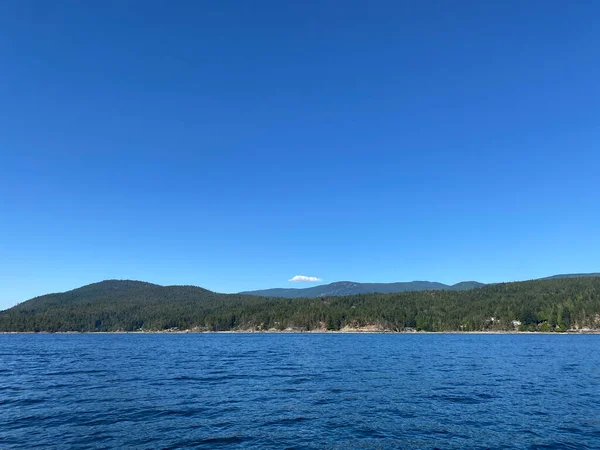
316,391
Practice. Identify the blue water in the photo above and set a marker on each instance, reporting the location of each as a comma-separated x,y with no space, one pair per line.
299,391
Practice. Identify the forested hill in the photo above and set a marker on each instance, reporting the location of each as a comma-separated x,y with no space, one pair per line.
341,288
541,305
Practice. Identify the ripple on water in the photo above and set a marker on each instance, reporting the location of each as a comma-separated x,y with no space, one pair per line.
299,391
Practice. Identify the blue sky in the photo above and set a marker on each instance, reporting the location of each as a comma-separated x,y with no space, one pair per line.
234,145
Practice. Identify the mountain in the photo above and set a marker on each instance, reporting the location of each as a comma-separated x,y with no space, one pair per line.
555,304
112,305
351,288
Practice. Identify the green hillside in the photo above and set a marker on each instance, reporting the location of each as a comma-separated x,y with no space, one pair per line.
540,305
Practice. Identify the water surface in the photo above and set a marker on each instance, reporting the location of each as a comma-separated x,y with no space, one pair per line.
150,391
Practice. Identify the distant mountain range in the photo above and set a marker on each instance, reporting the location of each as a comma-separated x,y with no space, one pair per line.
341,288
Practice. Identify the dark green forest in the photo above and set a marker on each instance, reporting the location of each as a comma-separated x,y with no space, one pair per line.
558,305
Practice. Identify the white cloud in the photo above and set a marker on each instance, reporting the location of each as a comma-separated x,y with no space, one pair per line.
304,278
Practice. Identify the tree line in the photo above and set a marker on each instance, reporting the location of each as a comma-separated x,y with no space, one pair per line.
540,305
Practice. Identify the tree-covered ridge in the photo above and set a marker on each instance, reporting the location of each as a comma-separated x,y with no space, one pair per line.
540,305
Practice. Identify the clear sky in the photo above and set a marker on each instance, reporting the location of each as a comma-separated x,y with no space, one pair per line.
235,145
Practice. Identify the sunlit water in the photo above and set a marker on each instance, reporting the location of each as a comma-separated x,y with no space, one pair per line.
299,391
